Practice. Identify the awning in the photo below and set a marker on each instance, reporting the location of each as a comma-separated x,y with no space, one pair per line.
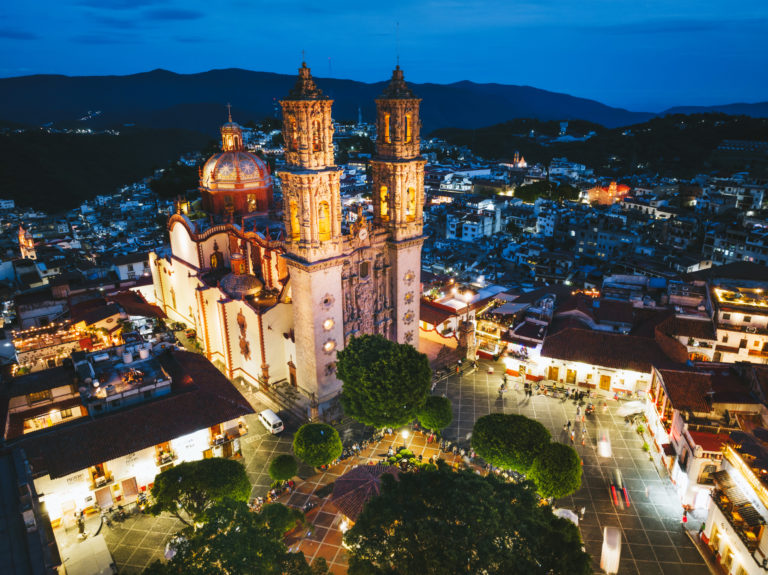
735,495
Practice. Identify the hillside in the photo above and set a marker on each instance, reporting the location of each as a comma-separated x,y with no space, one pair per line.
674,145
196,101
58,171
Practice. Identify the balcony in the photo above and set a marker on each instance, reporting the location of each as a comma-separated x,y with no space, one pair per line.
165,457
743,517
102,481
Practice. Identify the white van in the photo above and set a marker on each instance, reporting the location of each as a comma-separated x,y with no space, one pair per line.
271,421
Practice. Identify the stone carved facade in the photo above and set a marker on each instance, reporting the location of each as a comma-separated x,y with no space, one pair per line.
366,290
279,305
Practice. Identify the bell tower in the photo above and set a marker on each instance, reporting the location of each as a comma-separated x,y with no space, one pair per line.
314,241
398,197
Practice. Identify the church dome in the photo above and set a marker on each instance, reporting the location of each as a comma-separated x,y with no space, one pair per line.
234,181
238,286
235,167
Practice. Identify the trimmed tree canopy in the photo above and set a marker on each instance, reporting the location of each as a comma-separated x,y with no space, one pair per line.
233,539
317,444
439,521
385,383
509,441
436,414
283,467
194,486
556,471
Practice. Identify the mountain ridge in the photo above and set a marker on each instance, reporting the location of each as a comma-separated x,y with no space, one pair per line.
142,98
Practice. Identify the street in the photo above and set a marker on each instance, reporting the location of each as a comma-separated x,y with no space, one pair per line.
653,538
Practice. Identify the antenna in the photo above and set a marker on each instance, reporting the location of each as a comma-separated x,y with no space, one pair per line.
397,34
303,58
229,111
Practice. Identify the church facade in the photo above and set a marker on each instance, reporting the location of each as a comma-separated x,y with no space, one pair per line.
275,292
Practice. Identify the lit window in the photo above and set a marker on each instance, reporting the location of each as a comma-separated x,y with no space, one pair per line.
36,396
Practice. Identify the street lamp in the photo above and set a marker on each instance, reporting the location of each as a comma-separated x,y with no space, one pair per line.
404,433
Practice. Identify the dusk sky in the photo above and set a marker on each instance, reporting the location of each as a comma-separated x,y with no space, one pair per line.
640,54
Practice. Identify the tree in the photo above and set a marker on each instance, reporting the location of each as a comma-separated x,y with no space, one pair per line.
556,471
317,444
194,486
440,521
283,467
436,414
233,539
385,383
509,441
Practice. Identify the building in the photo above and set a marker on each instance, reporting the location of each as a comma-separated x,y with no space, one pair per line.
608,195
26,244
273,301
735,529
98,432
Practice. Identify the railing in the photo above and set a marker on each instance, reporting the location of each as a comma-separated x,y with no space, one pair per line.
104,480
725,506
165,458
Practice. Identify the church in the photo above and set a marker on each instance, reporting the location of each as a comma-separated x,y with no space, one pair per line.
274,292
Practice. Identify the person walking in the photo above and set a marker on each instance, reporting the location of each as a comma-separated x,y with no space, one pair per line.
569,424
578,411
582,511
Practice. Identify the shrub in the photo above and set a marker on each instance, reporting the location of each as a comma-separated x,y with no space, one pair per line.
317,444
436,414
283,467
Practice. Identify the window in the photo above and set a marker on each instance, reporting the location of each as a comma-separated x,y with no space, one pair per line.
36,396
747,318
408,129
294,211
324,222
410,205
316,141
253,204
293,135
726,316
65,413
364,269
384,203
387,130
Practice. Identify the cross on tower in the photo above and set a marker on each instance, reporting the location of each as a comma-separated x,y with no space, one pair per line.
229,111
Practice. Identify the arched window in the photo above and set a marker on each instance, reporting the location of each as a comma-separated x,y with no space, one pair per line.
410,205
293,135
294,211
365,269
387,130
408,129
324,222
316,140
252,202
384,205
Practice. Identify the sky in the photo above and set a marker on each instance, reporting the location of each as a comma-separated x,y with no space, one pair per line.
643,55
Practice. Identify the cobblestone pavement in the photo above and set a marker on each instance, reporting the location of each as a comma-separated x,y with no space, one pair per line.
653,537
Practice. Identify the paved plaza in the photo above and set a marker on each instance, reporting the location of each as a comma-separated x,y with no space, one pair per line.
653,536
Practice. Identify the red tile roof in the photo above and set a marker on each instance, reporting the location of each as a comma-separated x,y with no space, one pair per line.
352,490
687,390
202,397
604,349
434,313
709,441
134,304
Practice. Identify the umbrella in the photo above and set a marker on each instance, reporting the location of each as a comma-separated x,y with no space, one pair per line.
567,514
